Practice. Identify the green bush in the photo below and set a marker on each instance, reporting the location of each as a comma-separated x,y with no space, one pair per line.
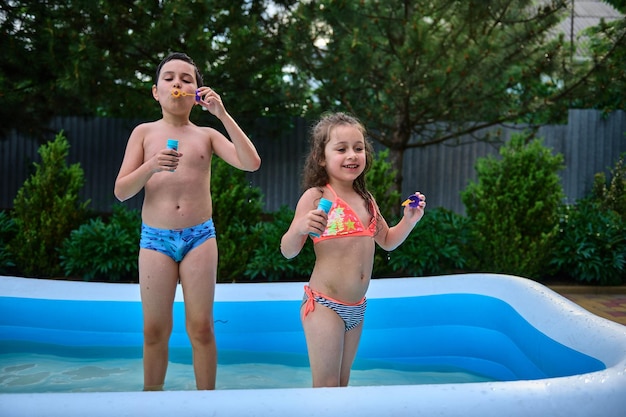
98,251
237,207
513,208
380,181
612,195
591,244
46,210
515,224
7,232
267,263
437,246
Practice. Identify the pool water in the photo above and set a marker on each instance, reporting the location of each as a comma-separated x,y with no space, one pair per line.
431,339
105,370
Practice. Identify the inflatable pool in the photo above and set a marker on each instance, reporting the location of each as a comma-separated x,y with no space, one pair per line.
547,355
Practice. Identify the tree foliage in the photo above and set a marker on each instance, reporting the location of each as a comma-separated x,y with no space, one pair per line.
418,72
85,57
605,87
421,72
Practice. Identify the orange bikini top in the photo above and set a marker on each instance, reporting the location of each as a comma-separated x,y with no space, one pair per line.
343,221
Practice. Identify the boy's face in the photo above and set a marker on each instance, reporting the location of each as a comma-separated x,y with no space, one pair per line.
175,74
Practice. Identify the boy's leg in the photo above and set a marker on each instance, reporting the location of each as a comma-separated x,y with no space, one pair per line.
198,272
324,331
158,276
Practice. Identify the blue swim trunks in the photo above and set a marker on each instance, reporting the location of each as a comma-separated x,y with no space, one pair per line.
176,243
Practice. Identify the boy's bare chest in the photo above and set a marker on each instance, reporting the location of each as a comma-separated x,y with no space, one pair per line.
195,153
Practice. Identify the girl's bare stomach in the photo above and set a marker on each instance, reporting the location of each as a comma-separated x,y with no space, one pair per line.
343,268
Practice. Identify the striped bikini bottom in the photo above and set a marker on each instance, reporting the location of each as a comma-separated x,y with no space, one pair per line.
351,314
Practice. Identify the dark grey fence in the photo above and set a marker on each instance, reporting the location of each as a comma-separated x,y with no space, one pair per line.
590,143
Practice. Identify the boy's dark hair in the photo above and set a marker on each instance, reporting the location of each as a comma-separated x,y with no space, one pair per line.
183,57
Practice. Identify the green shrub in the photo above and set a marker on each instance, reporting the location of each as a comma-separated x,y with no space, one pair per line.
513,208
612,196
436,246
7,232
267,263
380,181
98,251
237,207
591,244
46,210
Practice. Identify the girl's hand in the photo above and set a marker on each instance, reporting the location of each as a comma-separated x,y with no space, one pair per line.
307,219
314,222
414,210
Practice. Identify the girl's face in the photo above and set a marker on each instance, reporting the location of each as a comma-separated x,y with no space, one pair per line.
344,154
175,74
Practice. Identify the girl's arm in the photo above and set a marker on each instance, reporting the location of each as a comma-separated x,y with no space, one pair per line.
307,219
390,238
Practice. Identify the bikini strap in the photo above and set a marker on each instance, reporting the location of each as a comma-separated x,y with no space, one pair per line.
309,304
332,191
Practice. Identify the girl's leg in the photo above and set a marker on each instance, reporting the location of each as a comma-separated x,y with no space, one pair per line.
198,271
158,275
350,346
324,331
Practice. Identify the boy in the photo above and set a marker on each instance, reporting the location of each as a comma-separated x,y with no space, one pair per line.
177,235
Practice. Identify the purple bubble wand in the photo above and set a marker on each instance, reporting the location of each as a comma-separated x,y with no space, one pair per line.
412,201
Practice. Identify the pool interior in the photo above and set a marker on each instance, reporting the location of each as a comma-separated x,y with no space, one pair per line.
477,333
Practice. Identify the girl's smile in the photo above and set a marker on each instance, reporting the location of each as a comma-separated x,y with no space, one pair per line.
352,166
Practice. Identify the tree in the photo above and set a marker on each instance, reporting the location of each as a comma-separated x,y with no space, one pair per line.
605,87
420,72
85,57
618,4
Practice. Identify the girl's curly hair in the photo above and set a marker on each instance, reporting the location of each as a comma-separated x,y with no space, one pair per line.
314,174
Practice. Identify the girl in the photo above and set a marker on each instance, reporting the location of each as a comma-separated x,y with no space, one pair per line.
334,301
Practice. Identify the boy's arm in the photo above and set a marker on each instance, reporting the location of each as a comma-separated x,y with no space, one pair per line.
135,172
239,151
247,157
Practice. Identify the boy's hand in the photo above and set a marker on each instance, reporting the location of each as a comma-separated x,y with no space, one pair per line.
211,101
167,160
